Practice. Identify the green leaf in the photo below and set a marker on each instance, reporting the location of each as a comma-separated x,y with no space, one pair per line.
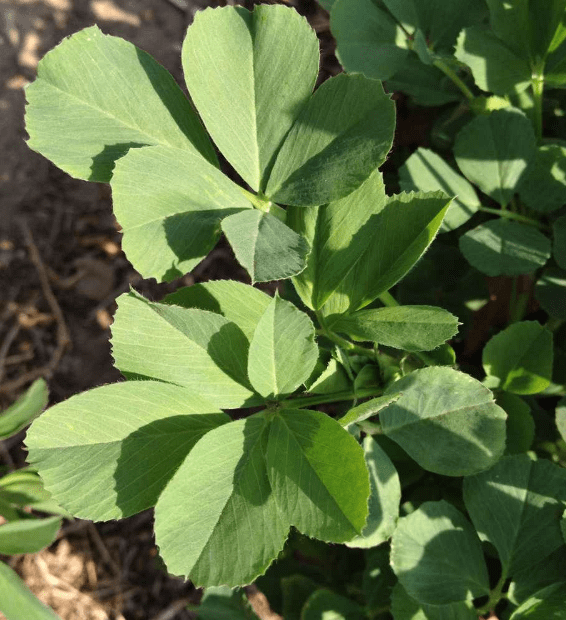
332,379
494,150
237,302
97,96
392,241
538,575
561,417
339,138
546,603
108,453
24,488
223,603
559,248
24,410
500,247
319,499
327,605
193,348
28,535
283,352
519,359
527,26
426,171
437,555
169,203
520,423
412,328
368,40
451,411
384,499
16,601
496,68
245,483
249,75
530,496
378,578
543,186
295,591
550,292
403,607
267,248
367,410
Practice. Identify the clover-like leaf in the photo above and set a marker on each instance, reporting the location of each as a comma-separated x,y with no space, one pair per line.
24,410
543,186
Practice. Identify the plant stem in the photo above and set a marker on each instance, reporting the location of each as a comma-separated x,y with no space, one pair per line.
387,299
511,215
306,401
537,84
346,344
494,596
440,64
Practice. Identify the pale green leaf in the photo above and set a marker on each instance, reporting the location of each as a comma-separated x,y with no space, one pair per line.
24,488
494,150
221,496
367,410
328,605
437,555
559,246
265,246
501,247
393,241
169,203
332,379
24,410
451,411
249,75
496,67
16,600
28,535
339,138
546,604
519,358
368,40
520,423
237,302
550,292
97,96
543,186
517,506
320,499
403,607
426,171
412,328
561,418
384,499
108,453
194,348
283,352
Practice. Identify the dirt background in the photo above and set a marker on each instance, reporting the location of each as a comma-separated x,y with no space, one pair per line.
61,269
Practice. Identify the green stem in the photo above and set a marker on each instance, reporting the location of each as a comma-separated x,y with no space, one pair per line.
440,64
537,84
346,344
336,397
387,299
262,203
553,323
511,215
494,596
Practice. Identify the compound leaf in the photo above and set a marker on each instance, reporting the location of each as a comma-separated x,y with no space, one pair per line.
283,352
16,600
543,186
517,506
451,411
519,358
194,348
384,499
427,171
97,96
411,328
265,246
249,75
169,203
500,247
437,555
24,410
237,302
494,150
108,453
339,138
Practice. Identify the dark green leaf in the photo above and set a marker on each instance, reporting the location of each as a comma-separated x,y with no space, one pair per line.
327,605
223,603
559,247
550,292
519,359
543,186
24,410
437,555
403,607
501,247
378,579
545,604
451,411
267,248
561,418
520,423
